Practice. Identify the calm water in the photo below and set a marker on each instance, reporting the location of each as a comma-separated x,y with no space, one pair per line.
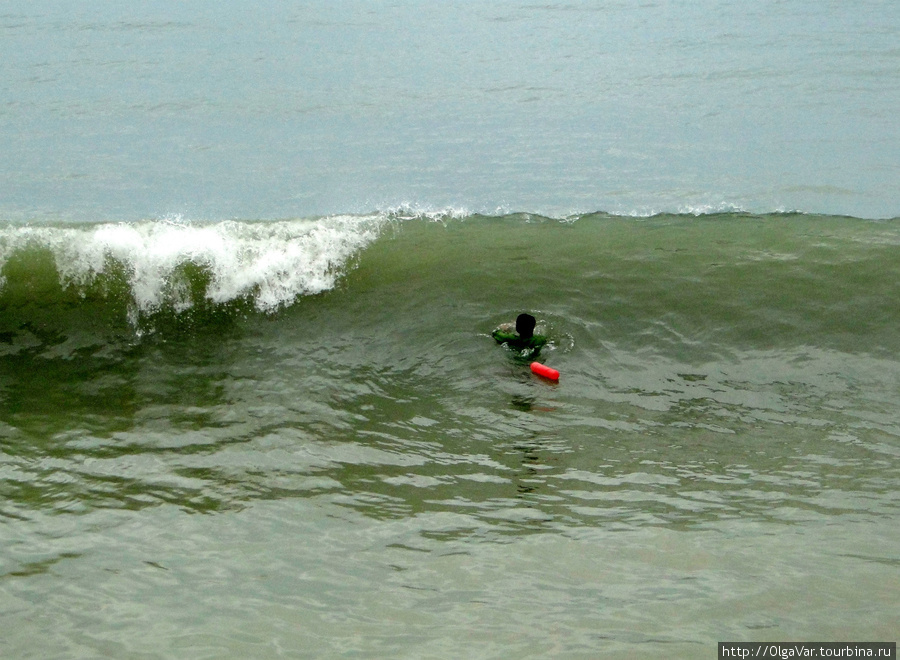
233,109
250,260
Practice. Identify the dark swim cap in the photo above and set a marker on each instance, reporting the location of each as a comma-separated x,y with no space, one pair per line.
525,325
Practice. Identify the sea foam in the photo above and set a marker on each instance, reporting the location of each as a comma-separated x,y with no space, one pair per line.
269,263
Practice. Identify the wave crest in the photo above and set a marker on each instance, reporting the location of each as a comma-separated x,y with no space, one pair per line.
171,263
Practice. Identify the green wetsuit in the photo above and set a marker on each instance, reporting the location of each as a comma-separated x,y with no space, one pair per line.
530,346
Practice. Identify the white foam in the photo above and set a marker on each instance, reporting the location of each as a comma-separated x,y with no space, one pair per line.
271,263
411,211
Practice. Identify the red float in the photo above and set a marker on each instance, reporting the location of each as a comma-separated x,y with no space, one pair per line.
545,371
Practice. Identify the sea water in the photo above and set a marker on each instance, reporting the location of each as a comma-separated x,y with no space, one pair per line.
250,260
241,110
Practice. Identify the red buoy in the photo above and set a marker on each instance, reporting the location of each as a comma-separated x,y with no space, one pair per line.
545,371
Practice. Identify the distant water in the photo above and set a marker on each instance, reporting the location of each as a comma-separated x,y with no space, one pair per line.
116,111
250,260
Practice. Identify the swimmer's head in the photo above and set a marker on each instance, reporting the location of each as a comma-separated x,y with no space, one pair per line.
525,325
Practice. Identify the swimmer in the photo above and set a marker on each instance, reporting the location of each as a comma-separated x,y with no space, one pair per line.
521,337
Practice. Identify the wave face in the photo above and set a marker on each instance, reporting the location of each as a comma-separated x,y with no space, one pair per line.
725,276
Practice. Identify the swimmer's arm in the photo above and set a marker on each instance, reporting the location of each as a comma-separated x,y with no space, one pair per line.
505,332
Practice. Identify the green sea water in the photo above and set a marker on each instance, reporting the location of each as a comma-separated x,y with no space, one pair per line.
297,438
251,256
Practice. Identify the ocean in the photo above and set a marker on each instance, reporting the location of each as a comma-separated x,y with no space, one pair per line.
251,256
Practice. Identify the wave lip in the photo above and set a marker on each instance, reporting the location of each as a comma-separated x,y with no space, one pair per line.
269,263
